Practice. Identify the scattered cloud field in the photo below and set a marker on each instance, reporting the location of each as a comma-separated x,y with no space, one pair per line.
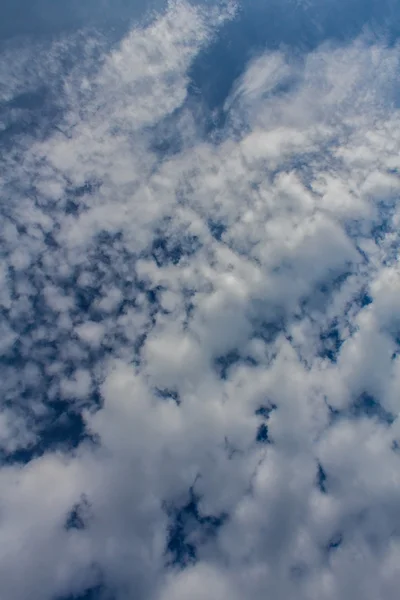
200,319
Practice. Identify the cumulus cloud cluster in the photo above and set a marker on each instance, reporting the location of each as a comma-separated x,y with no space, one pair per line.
200,332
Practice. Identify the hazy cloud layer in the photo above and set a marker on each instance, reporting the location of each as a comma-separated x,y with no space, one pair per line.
199,331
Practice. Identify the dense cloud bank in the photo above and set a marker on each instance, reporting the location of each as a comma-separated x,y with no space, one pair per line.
200,327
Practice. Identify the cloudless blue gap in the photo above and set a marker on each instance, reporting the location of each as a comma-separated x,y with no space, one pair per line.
363,299
321,479
29,100
262,434
264,412
75,520
37,122
367,405
217,229
330,337
60,429
181,550
77,516
38,109
298,26
330,342
166,250
396,446
47,18
223,363
267,330
168,394
73,203
364,405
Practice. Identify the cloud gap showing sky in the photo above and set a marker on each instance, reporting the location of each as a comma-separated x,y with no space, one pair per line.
199,300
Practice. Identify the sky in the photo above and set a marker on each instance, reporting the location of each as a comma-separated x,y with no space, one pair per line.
199,300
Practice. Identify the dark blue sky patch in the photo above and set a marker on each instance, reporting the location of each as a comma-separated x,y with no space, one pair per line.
217,229
188,530
44,19
23,123
330,339
168,394
223,363
85,298
152,294
50,241
153,297
268,331
21,114
60,429
250,361
72,207
367,405
330,342
396,446
180,551
75,196
262,434
167,249
87,188
29,100
321,478
38,107
78,516
265,410
363,299
137,347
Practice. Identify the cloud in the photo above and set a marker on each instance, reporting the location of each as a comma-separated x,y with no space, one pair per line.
200,372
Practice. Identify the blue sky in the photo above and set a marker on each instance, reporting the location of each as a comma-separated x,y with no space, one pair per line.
199,332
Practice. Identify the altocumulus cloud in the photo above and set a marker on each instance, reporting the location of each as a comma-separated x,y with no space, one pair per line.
200,331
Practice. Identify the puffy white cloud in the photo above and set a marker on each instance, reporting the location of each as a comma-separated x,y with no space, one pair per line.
200,384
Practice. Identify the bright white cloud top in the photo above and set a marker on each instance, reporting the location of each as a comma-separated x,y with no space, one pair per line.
200,332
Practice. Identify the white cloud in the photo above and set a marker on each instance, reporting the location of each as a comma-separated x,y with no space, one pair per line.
234,306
